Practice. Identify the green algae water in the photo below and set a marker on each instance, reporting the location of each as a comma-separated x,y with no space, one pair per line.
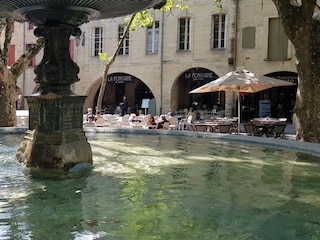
146,187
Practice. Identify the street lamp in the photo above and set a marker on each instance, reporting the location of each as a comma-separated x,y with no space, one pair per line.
81,39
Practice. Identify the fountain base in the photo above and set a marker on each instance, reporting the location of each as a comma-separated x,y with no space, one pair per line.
55,138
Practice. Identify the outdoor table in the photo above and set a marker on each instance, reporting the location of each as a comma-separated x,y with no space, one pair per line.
209,125
266,126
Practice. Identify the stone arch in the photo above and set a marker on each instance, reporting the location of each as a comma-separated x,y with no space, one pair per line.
92,90
189,80
119,84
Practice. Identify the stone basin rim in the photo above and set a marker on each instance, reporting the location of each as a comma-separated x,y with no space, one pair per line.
73,12
305,147
92,13
238,139
45,14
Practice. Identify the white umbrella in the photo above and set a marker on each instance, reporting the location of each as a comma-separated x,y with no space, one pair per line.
239,81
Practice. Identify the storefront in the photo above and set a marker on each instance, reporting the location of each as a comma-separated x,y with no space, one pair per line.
275,102
191,79
120,84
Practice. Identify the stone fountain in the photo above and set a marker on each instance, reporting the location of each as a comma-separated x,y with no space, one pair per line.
55,138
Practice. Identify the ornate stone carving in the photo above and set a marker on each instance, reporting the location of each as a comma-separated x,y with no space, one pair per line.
57,71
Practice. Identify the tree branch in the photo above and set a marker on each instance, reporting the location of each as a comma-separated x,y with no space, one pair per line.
6,44
104,79
21,64
307,9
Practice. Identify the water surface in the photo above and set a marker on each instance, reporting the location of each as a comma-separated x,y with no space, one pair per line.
164,187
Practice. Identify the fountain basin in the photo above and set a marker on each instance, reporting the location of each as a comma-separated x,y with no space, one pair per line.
156,186
73,12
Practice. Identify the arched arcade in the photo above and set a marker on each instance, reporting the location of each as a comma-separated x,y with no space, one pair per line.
118,85
189,80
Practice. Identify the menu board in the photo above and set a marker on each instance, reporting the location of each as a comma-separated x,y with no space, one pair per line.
264,108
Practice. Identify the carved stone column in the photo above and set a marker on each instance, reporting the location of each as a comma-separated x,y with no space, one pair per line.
55,138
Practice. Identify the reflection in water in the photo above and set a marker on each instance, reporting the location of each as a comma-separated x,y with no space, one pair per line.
163,187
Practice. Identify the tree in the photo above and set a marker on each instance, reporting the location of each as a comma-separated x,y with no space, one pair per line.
301,22
9,75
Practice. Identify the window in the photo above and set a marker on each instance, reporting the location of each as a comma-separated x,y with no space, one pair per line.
184,34
124,48
30,26
33,60
153,38
98,41
277,40
218,31
71,48
11,58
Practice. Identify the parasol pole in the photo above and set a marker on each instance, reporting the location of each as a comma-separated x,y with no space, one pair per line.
239,111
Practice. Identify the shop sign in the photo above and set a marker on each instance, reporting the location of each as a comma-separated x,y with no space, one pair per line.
121,78
199,74
290,79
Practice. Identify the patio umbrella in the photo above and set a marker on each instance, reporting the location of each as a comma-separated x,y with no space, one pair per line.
239,81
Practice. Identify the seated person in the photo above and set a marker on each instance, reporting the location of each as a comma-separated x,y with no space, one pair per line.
134,118
98,115
162,121
170,112
151,123
89,113
90,121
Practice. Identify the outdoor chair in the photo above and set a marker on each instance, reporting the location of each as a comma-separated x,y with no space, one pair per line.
234,127
137,126
278,130
166,125
224,128
201,128
182,124
248,128
89,124
253,130
173,123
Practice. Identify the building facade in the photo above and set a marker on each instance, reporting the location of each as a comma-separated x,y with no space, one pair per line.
181,51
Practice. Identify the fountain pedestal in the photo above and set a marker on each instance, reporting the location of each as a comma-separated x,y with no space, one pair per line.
55,138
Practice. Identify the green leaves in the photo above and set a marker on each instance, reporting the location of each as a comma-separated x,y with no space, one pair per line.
103,56
219,4
182,5
142,19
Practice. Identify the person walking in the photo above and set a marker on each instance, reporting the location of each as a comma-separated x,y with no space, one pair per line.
124,106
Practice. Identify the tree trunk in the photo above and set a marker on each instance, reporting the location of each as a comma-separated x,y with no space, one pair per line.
105,74
7,99
8,83
304,32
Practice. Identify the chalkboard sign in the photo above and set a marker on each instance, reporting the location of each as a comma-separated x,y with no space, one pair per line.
264,108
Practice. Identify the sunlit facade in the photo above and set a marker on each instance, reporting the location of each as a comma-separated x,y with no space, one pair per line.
179,52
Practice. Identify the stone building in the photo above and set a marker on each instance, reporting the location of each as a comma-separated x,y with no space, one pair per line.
179,52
